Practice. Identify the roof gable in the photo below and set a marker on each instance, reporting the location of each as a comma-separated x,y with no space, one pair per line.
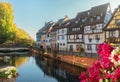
114,22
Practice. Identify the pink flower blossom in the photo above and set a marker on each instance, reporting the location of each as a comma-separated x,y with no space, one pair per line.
117,72
83,77
103,68
116,57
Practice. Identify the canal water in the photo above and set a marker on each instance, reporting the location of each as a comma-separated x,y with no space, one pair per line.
34,68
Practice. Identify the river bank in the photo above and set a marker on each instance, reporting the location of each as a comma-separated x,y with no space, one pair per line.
81,61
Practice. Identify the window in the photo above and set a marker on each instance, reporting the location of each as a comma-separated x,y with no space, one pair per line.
117,33
89,47
62,37
98,17
74,36
91,19
93,27
73,29
112,33
71,47
60,44
88,13
83,20
68,23
117,22
76,21
80,35
58,37
63,44
46,40
97,36
107,34
71,36
90,38
48,35
62,30
58,31
77,37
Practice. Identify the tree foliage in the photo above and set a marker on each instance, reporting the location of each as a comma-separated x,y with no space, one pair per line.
9,31
6,21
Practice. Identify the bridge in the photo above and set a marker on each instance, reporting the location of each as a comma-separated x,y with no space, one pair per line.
13,49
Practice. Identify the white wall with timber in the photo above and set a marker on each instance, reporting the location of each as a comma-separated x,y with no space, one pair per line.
61,38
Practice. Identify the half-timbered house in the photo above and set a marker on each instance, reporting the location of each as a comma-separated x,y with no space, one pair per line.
112,29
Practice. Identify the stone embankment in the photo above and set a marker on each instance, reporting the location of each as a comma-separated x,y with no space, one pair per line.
81,61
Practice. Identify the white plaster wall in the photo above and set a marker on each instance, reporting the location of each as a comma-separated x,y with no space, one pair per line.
61,47
93,43
48,41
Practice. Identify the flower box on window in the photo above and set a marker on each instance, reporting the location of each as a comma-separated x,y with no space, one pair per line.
90,39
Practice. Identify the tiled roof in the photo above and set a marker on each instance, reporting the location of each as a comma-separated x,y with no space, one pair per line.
66,24
59,22
45,28
83,14
83,18
97,10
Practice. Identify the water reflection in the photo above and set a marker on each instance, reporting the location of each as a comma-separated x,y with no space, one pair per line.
61,71
13,59
40,69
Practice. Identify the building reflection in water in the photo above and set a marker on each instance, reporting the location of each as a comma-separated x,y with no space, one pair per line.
63,72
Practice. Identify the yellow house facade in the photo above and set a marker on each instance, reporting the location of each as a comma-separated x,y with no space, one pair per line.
112,30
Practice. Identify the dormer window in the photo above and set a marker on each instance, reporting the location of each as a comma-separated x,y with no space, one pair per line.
76,21
98,17
73,29
68,23
88,13
83,20
91,19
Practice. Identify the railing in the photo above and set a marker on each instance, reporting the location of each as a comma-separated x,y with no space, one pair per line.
13,46
78,54
72,53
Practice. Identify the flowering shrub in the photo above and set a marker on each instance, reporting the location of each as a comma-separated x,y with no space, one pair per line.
8,72
106,68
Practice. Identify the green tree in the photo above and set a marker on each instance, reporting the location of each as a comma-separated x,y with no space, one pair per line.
9,31
6,21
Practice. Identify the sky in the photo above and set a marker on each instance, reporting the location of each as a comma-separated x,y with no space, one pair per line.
31,15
